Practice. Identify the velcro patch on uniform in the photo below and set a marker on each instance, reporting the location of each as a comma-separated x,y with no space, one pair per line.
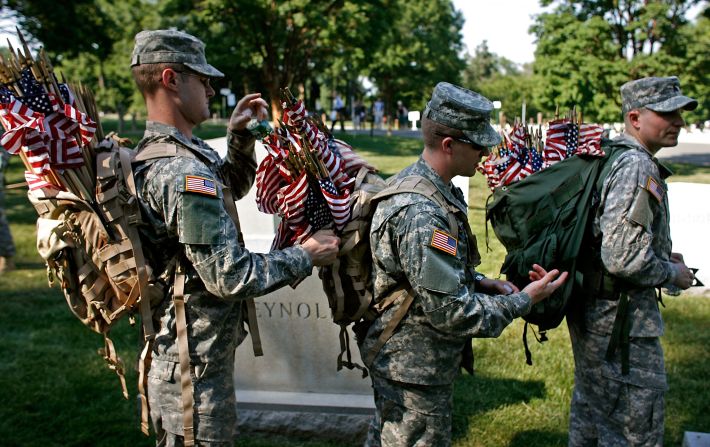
655,189
200,185
444,242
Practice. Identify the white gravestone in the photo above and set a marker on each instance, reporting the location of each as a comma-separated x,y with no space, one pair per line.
690,221
294,389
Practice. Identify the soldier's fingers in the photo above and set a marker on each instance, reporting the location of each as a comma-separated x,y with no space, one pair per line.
246,100
559,281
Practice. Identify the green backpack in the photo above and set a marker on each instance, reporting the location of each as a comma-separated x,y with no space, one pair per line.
546,219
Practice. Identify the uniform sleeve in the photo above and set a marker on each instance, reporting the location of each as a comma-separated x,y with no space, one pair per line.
240,164
438,278
625,223
196,216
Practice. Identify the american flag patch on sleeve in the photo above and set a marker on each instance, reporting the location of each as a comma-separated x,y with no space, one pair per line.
444,242
655,189
200,185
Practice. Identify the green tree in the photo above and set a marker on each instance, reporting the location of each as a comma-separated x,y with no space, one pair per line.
420,46
267,45
587,49
71,28
500,79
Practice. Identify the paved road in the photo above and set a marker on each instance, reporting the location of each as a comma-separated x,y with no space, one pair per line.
693,153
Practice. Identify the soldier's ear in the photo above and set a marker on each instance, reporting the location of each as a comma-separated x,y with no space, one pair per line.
446,145
168,78
634,118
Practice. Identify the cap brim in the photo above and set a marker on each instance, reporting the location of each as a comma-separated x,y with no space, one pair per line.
486,136
673,104
205,69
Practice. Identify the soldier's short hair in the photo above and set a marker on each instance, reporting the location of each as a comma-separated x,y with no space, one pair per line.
433,132
148,76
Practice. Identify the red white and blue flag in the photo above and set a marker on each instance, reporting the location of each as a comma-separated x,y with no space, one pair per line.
444,242
200,185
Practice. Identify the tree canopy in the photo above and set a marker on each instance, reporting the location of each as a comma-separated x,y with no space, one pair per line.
587,49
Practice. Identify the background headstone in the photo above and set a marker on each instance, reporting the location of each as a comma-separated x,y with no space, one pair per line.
690,221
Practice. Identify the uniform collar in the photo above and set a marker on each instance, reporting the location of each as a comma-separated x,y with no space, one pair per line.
452,194
629,140
154,129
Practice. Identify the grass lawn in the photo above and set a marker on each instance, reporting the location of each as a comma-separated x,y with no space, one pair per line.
59,392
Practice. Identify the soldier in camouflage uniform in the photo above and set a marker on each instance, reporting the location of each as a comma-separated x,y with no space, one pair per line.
413,372
610,406
186,220
7,246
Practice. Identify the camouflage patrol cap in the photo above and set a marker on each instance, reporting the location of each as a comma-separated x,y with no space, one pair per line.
462,109
171,46
657,94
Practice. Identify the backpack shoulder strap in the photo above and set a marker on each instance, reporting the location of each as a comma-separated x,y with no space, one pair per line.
162,150
420,185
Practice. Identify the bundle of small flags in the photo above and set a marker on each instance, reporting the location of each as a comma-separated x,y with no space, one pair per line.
46,124
523,153
307,176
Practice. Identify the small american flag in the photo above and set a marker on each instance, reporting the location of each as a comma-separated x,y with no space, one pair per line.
571,138
200,185
67,95
535,162
444,242
590,139
16,113
268,183
65,153
556,142
6,95
87,127
33,94
339,204
36,182
317,210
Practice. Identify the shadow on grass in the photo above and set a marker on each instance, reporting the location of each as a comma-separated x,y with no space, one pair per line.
688,164
527,438
477,394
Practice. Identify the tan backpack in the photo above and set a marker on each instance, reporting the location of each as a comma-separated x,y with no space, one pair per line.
95,255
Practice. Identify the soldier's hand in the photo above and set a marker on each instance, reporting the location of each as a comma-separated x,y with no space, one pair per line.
684,277
497,286
544,282
250,106
322,247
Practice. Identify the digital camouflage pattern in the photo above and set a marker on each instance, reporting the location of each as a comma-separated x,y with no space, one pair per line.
633,224
175,47
412,414
462,109
657,94
219,274
425,350
7,246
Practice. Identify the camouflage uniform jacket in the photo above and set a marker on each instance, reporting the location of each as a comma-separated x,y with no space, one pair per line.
426,346
220,272
632,222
